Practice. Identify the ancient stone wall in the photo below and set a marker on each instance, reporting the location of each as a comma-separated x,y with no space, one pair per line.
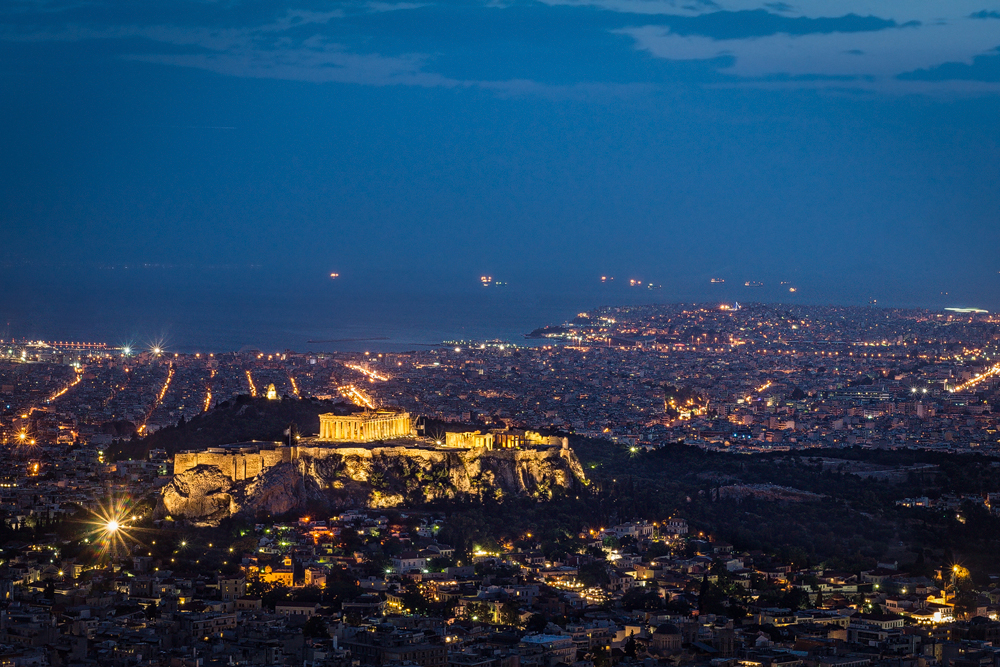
238,466
212,485
246,465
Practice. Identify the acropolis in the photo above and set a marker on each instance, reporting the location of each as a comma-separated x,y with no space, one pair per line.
359,434
365,426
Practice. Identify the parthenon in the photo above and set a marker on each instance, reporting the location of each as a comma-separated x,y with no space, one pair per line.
364,427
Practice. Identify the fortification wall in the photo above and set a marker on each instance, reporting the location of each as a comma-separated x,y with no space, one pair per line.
211,485
241,466
238,466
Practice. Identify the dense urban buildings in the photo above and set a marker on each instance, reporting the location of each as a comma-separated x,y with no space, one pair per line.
708,453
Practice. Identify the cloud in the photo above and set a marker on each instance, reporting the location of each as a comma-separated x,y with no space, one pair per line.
543,49
759,23
869,57
287,47
299,17
984,68
216,39
984,15
314,61
395,6
923,11
585,91
646,7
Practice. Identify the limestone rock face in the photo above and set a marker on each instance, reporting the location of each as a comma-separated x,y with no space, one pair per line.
370,477
274,492
203,493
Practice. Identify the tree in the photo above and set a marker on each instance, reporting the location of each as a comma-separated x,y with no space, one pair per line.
593,574
703,592
536,623
642,598
477,611
440,563
629,648
315,628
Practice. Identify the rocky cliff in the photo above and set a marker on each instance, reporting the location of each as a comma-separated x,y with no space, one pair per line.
372,477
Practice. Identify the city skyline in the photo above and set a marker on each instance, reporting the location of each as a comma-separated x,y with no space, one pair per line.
499,333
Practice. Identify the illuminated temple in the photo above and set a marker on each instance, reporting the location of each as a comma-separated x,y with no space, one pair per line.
366,426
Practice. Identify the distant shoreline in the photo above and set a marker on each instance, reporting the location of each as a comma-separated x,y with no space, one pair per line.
349,340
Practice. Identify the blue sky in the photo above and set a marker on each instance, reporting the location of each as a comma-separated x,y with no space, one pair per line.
850,147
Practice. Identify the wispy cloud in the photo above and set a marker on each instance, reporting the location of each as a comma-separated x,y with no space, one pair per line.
314,60
395,6
925,11
297,46
648,7
871,59
862,43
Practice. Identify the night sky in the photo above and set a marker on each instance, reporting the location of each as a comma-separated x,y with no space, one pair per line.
851,148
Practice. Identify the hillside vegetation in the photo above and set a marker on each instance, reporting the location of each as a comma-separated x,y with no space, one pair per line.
241,419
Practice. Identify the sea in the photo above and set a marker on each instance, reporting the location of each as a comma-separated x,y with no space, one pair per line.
233,308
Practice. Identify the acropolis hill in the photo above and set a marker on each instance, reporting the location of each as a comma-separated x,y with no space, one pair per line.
368,459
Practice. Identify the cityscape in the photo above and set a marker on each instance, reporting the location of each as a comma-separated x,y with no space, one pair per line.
467,504
499,333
